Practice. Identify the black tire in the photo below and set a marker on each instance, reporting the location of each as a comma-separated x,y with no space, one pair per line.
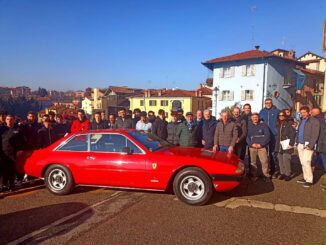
193,186
58,179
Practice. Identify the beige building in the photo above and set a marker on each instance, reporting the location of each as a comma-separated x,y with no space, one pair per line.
313,61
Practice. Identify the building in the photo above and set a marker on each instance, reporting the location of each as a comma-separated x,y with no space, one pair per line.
87,105
313,61
253,76
170,100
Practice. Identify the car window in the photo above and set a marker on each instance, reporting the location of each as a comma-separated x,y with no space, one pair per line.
77,143
107,142
133,147
150,141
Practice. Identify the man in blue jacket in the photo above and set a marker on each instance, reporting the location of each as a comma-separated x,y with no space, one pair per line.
269,116
258,138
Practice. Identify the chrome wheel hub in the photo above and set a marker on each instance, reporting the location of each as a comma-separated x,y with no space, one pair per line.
192,187
57,179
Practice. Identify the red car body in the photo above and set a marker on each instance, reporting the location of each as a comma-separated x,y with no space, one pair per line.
148,170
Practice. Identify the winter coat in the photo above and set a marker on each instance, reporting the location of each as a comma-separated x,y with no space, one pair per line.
225,134
12,141
159,128
80,126
187,137
209,127
200,129
241,127
95,126
321,146
258,134
134,122
311,131
247,118
270,117
285,131
61,129
172,133
123,124
30,134
46,136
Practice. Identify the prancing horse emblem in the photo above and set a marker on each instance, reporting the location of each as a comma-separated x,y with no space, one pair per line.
154,165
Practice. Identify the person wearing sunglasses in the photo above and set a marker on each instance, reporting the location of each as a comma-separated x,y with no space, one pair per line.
284,145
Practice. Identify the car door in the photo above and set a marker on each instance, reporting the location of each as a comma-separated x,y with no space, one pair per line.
108,165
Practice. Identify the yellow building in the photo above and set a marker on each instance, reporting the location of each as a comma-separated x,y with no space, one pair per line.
171,100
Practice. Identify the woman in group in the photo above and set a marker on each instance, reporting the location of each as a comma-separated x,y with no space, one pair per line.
284,145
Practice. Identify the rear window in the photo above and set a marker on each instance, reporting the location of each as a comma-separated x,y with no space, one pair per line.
77,143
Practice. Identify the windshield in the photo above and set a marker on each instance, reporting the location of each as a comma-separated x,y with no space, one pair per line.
150,141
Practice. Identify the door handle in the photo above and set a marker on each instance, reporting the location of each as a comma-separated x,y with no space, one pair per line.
90,158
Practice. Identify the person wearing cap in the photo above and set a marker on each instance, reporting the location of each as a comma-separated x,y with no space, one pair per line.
159,127
143,124
181,118
226,134
187,132
46,135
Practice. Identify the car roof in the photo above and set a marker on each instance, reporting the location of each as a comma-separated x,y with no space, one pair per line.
107,130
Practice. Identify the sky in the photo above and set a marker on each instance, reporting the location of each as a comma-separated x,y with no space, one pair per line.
75,44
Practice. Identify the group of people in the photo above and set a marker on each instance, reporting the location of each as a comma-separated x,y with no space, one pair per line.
269,136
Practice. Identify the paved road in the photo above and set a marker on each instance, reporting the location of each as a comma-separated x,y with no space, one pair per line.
260,213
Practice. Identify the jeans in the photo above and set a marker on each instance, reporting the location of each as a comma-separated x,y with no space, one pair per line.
323,159
223,148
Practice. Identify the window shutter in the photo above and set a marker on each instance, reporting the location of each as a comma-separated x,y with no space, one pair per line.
253,70
232,71
243,95
231,95
244,70
251,95
221,72
220,95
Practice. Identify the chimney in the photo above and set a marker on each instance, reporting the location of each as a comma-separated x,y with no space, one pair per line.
196,93
159,92
200,93
257,47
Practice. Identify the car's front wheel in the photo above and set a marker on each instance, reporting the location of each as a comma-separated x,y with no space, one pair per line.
193,186
58,179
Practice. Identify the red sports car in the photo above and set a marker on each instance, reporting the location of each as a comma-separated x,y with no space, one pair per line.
134,160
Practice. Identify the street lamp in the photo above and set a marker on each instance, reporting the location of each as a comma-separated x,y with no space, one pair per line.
216,89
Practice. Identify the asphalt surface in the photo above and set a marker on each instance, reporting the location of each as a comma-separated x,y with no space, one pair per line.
246,215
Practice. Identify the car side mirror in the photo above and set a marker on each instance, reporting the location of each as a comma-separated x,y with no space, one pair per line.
126,150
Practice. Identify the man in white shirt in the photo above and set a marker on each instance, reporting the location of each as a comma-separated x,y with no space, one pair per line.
143,124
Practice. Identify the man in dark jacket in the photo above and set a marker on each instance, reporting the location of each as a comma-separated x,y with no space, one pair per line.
12,141
199,120
3,115
316,113
269,116
60,127
159,127
321,147
46,135
112,122
30,128
181,118
136,117
97,123
187,132
123,122
258,138
151,117
226,134
308,133
242,132
172,129
209,126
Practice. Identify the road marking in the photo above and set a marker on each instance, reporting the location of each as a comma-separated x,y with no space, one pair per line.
233,203
62,220
101,190
22,194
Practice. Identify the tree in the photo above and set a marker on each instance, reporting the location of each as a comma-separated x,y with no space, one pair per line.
42,92
229,109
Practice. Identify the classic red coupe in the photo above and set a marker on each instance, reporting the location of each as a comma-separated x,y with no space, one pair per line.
133,160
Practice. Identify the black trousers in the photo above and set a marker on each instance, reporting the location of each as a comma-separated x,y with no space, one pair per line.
9,172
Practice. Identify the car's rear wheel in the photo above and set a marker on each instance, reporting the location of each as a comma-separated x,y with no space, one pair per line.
58,179
193,186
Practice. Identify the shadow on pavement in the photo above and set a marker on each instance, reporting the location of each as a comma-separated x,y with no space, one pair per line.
17,224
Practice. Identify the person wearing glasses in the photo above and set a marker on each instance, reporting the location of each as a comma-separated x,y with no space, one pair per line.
269,116
284,145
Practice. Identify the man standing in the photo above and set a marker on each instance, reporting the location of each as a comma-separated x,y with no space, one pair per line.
12,140
3,115
52,117
111,123
258,138
209,127
159,127
242,132
181,118
30,128
187,132
61,129
97,123
316,113
308,133
269,116
199,121
46,135
81,124
172,129
136,117
151,117
143,124
226,134
246,115
123,122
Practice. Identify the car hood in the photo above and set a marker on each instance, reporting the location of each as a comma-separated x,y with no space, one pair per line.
200,153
